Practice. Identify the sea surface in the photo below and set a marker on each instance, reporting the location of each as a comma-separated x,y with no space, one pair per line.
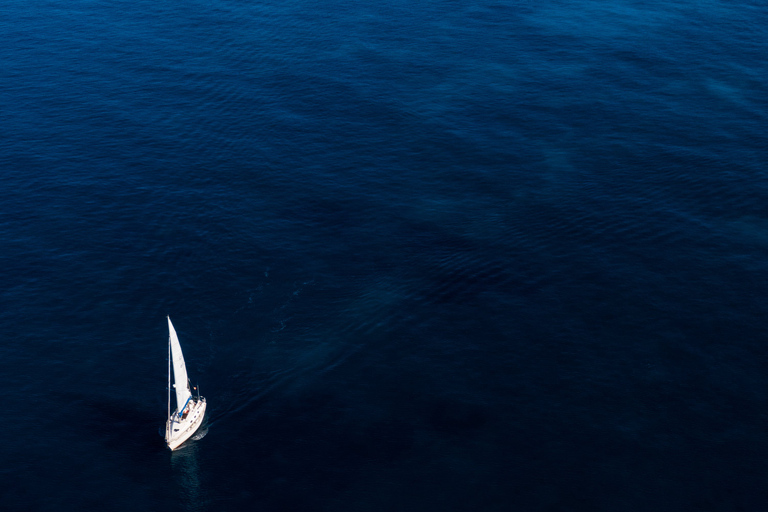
421,256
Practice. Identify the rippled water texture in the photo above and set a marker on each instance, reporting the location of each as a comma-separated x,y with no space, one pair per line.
421,256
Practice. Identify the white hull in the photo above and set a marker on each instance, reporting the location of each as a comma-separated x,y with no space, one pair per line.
178,430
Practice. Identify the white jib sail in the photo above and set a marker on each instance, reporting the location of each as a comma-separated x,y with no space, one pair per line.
179,370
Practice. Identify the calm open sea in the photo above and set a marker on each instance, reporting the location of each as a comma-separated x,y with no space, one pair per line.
421,256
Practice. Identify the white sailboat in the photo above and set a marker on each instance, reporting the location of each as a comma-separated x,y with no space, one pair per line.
190,410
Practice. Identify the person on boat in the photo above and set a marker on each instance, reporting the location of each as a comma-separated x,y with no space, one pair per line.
186,411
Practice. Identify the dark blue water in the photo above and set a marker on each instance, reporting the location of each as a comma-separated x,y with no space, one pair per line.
421,256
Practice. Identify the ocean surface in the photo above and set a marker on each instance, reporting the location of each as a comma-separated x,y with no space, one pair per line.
421,256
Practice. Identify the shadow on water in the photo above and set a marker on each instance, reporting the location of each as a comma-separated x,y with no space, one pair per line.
120,425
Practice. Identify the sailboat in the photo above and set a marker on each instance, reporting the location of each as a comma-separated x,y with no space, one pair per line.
190,410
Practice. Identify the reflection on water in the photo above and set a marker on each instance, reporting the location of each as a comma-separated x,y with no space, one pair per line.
186,472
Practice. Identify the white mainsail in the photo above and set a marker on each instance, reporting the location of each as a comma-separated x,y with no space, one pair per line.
181,383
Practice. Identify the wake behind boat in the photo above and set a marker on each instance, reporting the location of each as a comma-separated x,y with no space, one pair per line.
190,410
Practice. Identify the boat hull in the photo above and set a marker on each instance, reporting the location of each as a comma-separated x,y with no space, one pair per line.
177,431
